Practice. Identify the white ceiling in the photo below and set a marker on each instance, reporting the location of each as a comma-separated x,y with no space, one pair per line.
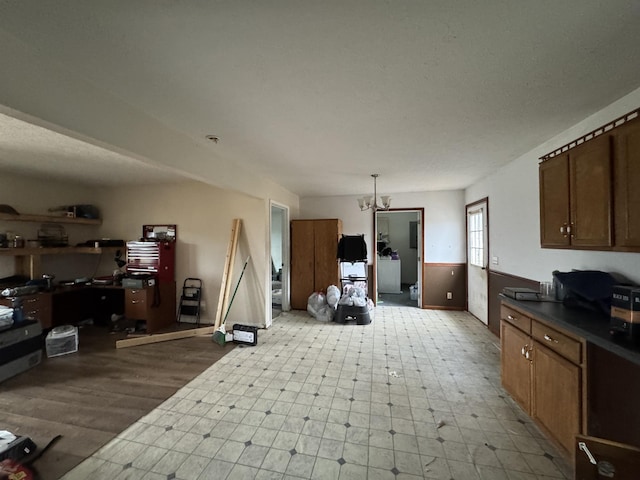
430,94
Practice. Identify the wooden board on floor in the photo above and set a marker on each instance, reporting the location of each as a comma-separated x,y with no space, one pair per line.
90,396
163,337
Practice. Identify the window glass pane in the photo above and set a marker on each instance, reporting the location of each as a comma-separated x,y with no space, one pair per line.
476,236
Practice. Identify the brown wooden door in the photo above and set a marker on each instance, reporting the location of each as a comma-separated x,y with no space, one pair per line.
627,185
590,188
624,459
556,395
302,262
326,268
515,367
554,202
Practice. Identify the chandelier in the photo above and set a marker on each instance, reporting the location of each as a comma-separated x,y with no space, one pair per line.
371,202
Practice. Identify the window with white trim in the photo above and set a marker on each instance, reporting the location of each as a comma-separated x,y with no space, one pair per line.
476,237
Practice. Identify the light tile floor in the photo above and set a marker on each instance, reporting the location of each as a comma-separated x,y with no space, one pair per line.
415,394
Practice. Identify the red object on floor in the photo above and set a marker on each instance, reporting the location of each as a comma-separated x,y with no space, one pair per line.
12,470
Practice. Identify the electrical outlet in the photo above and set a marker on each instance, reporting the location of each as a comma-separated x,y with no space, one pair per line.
449,295
495,260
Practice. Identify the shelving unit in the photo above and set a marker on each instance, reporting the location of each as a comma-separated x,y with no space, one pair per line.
26,251
28,260
7,217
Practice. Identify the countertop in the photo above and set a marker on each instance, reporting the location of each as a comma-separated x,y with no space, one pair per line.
591,325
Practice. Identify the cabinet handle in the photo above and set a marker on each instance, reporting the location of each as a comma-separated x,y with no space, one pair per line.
136,301
528,355
524,350
583,446
563,228
550,339
511,317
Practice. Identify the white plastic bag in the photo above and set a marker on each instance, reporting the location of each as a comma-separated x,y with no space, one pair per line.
333,296
326,313
315,302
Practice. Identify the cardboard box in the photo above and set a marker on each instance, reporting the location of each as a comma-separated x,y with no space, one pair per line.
625,303
625,311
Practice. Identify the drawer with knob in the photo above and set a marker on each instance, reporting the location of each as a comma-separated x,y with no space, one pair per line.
137,302
560,343
516,318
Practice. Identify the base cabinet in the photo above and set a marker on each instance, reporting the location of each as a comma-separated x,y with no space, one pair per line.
156,305
542,369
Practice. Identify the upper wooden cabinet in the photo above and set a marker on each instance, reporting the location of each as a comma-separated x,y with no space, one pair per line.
576,197
626,185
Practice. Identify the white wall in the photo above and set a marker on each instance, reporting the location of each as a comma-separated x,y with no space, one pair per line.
444,237
514,228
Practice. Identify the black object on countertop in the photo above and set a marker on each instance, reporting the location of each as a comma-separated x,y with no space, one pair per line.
587,289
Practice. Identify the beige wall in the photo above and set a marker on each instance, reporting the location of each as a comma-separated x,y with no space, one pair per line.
203,215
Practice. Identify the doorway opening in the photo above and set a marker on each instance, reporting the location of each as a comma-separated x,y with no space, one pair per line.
279,254
398,259
477,215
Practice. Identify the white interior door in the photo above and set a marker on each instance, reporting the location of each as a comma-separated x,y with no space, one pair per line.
478,259
279,254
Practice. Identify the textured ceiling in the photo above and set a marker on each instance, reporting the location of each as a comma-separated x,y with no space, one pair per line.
430,94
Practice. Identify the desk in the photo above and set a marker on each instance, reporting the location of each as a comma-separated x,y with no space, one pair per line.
70,305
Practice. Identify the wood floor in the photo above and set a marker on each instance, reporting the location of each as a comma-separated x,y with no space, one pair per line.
90,396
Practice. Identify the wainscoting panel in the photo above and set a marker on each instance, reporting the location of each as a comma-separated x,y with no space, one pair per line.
443,278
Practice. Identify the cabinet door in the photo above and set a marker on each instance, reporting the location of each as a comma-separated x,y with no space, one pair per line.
515,367
326,268
627,185
554,202
625,459
590,188
302,263
556,402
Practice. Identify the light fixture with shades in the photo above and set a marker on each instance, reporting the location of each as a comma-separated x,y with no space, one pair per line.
371,202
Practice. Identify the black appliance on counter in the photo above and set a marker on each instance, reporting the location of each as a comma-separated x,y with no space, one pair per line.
589,289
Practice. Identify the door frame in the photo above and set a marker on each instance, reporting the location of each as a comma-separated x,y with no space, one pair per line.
487,267
286,248
374,253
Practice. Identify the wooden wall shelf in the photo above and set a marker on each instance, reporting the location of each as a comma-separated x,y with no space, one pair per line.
22,252
49,219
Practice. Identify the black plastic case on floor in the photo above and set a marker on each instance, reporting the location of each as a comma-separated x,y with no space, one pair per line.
245,334
346,313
